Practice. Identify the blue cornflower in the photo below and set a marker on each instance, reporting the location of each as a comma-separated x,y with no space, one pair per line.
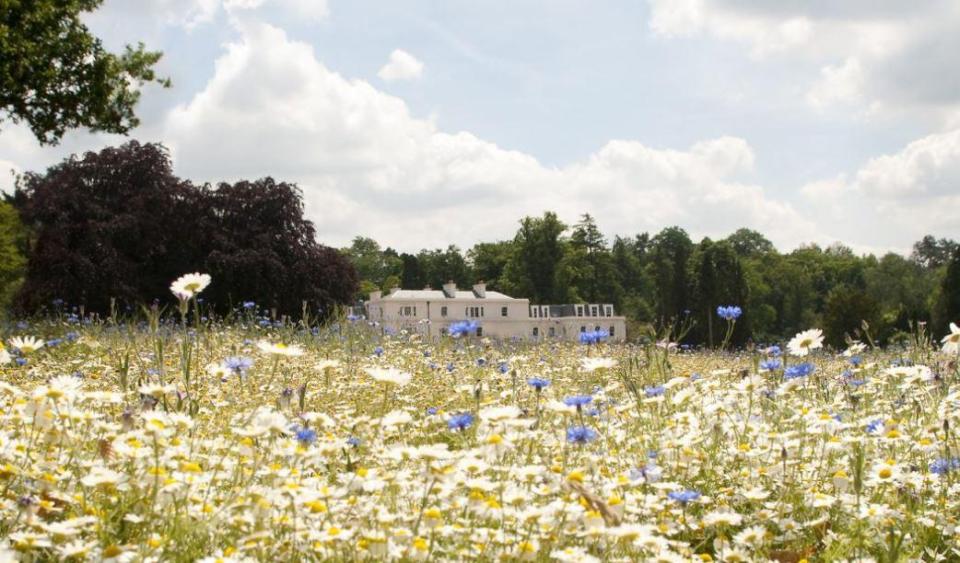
249,304
943,465
450,367
654,391
353,441
71,336
593,336
855,361
481,362
730,312
238,364
54,342
773,351
581,435
431,410
538,383
353,318
683,497
21,361
503,367
578,401
798,370
378,351
460,422
874,426
770,365
306,436
462,328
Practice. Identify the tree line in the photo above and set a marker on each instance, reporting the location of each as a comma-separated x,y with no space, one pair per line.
663,277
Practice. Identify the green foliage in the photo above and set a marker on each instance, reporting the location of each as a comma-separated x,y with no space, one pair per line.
716,278
538,250
848,311
13,246
671,249
488,260
55,75
949,299
372,263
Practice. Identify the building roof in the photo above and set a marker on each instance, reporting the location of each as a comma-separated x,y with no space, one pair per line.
438,295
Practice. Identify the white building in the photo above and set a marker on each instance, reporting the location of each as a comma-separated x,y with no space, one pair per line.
432,311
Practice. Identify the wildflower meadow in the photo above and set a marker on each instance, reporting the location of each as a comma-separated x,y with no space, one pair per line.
178,437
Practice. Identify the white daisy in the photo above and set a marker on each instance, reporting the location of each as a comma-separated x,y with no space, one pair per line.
805,341
951,342
389,375
190,285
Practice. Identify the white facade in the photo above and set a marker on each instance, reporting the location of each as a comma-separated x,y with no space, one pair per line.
431,312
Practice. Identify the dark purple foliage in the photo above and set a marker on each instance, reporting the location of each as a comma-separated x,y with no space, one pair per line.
119,224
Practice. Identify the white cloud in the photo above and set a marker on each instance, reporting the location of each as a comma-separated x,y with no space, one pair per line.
311,10
366,165
928,167
895,197
891,56
401,66
838,85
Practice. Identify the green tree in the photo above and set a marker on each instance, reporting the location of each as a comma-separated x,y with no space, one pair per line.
749,243
13,246
440,266
538,249
716,278
931,252
630,258
488,260
411,274
55,75
948,304
588,266
670,252
902,290
847,308
373,264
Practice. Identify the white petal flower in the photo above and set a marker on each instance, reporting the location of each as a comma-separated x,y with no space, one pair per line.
190,285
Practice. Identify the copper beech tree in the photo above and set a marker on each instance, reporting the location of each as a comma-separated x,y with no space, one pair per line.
118,224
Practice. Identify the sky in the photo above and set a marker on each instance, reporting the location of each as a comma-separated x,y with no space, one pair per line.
428,123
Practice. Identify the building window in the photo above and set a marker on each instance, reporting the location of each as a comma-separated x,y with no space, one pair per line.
479,331
503,311
443,311
583,329
407,311
593,311
535,313
609,311
611,331
536,331
552,331
579,310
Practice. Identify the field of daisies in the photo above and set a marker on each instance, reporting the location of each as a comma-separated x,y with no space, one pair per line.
179,438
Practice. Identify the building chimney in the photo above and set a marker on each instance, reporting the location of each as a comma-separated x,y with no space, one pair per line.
450,289
480,289
375,295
